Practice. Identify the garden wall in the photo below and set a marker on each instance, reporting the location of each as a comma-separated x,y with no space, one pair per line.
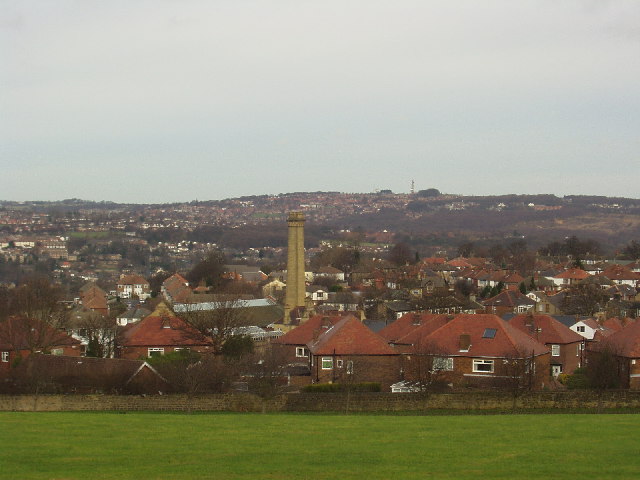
327,402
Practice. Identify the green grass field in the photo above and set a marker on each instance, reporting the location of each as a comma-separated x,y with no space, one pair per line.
91,446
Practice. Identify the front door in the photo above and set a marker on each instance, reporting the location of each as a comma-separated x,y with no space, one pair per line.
556,370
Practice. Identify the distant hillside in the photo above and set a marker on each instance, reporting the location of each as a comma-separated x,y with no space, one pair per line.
425,220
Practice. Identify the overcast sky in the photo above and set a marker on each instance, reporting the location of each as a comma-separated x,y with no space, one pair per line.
172,100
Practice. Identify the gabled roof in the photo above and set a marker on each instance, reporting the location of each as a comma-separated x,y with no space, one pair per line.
132,279
417,335
506,341
350,337
19,333
85,371
625,343
161,329
617,324
620,272
545,329
508,298
574,274
329,270
404,325
304,333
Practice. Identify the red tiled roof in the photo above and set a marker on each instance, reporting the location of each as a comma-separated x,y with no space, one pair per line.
132,279
151,331
617,324
404,325
304,333
427,327
574,273
17,333
625,342
619,272
350,337
508,298
545,329
507,342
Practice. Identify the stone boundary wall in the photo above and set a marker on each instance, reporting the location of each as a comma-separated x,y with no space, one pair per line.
326,402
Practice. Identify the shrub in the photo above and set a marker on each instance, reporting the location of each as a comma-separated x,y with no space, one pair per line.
578,380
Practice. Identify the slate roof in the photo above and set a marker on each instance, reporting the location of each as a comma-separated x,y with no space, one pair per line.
350,337
545,329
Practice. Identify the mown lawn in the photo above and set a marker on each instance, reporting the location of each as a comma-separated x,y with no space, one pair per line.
297,446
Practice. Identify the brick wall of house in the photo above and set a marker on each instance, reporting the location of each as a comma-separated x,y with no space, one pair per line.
383,369
135,353
569,357
463,374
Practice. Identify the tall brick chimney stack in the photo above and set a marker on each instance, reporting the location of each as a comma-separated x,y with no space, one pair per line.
296,290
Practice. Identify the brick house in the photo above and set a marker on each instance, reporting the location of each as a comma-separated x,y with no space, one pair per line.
158,334
293,344
20,337
508,301
624,345
479,350
133,285
566,346
94,298
349,352
403,332
56,374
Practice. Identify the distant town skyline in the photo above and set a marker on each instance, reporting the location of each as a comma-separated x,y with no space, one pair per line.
161,101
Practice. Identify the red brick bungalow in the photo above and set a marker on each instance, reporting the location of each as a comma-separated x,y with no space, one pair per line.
481,350
20,337
158,334
350,352
566,346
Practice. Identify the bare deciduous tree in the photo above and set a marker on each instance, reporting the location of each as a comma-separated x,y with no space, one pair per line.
217,320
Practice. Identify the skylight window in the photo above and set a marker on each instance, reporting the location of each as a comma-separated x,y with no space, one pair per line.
489,333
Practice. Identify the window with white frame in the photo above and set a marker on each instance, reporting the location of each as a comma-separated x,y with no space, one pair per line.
339,363
580,328
5,356
302,352
555,350
57,351
327,363
155,351
442,364
482,366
